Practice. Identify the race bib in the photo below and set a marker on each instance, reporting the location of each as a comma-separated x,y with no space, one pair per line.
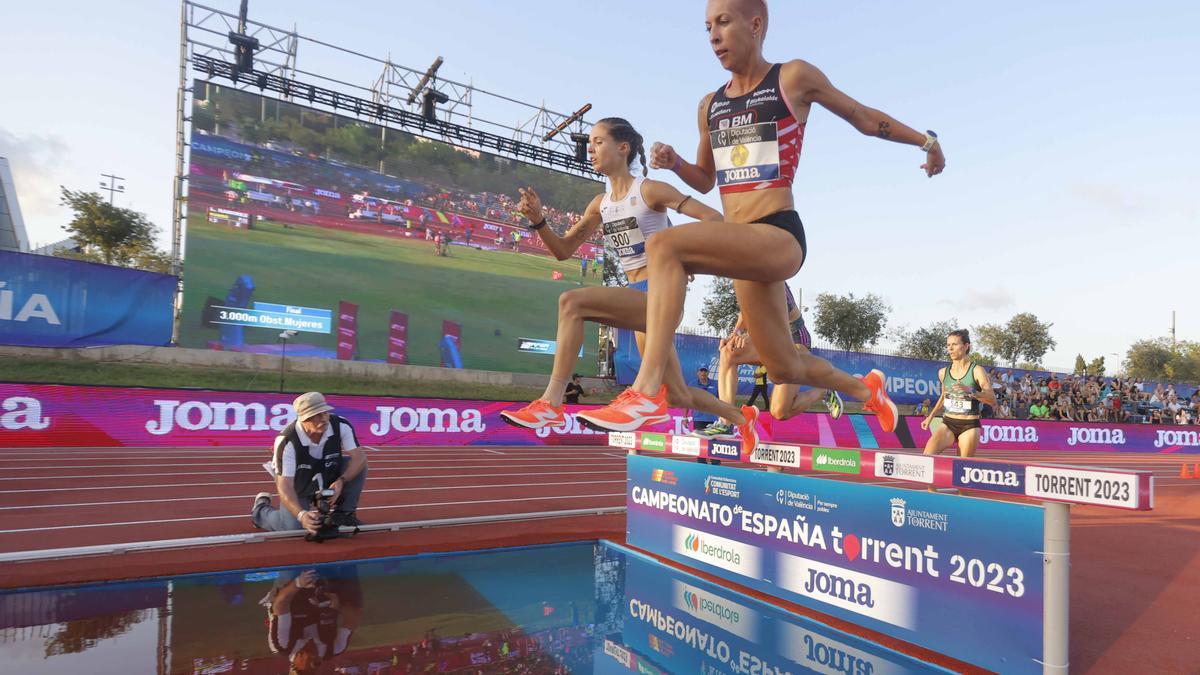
625,236
958,406
746,154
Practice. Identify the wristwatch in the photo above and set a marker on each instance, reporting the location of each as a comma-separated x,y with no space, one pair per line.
930,139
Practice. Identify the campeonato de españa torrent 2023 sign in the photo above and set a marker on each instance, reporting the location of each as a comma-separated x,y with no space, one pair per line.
910,564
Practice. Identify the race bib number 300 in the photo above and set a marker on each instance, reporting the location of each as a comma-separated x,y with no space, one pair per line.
746,154
625,236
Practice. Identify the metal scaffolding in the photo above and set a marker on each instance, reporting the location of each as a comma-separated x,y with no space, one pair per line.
464,119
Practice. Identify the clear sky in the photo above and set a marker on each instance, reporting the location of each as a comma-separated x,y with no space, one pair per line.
1071,131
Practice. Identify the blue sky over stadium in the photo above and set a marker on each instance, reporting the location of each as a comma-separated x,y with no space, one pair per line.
1069,128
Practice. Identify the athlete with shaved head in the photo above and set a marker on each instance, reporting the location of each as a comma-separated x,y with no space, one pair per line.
751,131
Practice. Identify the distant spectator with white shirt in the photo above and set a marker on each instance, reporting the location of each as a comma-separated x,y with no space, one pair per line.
318,451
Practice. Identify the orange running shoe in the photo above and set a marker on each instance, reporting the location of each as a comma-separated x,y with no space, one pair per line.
535,416
630,411
749,430
879,402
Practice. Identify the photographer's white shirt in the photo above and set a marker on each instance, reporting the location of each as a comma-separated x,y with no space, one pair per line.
288,470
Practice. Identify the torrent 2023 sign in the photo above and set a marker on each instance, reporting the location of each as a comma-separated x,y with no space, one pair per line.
959,575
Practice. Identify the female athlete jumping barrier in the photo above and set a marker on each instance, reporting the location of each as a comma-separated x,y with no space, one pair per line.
788,400
751,131
632,212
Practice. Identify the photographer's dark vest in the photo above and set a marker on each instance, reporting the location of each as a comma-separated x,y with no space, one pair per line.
307,610
329,466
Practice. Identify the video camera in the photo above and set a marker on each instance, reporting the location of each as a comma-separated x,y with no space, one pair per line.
331,521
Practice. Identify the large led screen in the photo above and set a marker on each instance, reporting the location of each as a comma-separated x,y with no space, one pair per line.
330,237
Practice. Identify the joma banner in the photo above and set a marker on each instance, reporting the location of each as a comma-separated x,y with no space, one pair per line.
961,576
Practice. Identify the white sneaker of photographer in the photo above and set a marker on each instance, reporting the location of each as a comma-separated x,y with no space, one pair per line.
260,498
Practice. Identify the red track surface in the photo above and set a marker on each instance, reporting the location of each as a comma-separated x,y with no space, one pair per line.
1135,575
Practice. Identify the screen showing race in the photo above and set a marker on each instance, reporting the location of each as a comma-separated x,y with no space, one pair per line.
335,238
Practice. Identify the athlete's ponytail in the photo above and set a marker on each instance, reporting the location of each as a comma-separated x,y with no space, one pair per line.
623,132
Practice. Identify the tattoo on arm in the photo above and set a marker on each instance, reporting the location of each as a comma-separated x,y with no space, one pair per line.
885,130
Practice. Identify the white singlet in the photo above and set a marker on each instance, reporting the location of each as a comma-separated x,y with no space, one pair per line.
628,223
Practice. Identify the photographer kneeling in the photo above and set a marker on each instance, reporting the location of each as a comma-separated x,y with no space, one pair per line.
317,451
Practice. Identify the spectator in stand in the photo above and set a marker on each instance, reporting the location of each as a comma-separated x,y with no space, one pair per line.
1062,411
1183,416
1039,410
1021,407
1005,412
1117,414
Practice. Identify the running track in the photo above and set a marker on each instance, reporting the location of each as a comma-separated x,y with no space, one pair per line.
1135,575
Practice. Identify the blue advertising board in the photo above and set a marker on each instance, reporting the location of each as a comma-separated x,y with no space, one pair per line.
678,623
909,380
56,302
961,576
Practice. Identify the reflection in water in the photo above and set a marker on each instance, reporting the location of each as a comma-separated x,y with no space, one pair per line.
574,608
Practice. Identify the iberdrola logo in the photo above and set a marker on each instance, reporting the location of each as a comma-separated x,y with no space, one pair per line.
692,542
692,600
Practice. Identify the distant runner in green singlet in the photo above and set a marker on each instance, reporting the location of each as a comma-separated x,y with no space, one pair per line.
965,387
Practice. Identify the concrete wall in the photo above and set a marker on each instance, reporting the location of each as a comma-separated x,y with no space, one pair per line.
205,358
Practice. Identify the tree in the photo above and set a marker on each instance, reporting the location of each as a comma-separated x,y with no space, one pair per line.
1160,359
851,323
929,342
1149,359
1096,367
983,359
720,308
1080,365
1024,337
111,234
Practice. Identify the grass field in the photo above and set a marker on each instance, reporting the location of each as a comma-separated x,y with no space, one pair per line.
497,296
124,374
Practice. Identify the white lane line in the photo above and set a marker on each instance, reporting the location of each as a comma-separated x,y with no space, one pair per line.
485,486
374,478
508,460
361,508
266,448
260,470
457,452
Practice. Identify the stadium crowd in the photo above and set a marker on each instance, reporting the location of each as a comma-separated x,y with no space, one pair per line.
1088,398
297,181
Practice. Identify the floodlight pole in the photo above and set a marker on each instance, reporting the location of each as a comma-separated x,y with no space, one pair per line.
111,186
